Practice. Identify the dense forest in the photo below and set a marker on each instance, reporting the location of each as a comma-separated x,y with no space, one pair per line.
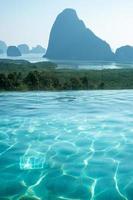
24,76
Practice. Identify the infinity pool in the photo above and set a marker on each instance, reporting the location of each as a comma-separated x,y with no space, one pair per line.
66,145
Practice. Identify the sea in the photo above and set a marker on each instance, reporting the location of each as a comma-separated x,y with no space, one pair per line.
75,64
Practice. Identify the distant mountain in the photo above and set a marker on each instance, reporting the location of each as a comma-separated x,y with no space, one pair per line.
13,51
3,47
124,54
38,49
71,40
24,48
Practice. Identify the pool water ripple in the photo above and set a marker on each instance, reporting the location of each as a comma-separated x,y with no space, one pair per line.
66,145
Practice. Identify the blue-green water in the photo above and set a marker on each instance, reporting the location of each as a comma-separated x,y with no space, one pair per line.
66,145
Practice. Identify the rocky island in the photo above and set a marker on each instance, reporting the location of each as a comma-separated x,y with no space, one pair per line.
71,40
24,48
124,54
38,49
13,51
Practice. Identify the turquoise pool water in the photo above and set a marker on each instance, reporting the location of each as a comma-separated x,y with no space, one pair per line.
66,145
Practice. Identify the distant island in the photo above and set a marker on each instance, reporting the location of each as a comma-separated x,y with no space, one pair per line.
124,54
21,49
24,48
13,51
38,49
71,40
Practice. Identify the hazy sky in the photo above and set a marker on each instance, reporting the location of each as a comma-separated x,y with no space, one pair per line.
30,21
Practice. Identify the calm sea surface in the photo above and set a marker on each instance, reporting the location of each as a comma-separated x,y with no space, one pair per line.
66,145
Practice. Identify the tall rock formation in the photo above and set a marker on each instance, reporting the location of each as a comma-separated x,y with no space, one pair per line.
71,40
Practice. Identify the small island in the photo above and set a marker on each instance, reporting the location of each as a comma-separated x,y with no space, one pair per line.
13,51
24,48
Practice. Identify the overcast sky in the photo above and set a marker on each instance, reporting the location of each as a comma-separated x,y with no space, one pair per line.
30,21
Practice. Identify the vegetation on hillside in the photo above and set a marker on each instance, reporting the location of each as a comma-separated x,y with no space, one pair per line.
24,76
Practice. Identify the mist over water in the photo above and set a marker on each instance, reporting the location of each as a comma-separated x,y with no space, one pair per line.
29,57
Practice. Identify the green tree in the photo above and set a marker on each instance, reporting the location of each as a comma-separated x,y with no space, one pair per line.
32,79
3,81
